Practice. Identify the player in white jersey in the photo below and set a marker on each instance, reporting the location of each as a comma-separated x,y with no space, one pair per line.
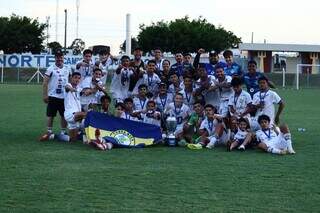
211,130
187,91
151,115
180,111
222,84
55,79
104,62
150,78
271,140
264,101
73,113
92,90
140,102
239,140
86,65
174,86
158,59
129,113
163,99
240,102
203,87
119,87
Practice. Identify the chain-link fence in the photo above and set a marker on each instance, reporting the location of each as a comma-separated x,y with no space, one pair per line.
287,80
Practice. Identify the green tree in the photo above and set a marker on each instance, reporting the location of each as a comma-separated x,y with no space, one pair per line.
134,44
186,35
21,34
54,46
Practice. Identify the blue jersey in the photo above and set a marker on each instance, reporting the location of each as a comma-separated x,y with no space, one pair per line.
180,69
251,82
233,69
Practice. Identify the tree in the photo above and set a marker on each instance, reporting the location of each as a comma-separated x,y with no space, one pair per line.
134,44
54,46
185,35
21,34
77,46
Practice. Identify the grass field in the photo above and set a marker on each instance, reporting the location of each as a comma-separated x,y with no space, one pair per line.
59,177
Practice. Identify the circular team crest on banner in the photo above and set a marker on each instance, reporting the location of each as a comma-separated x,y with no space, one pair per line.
123,138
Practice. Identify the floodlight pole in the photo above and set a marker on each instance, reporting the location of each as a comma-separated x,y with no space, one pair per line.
65,31
283,77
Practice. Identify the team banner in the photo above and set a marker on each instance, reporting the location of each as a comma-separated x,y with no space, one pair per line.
121,132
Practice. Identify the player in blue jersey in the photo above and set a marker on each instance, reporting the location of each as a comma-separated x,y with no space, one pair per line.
213,61
251,77
180,67
232,68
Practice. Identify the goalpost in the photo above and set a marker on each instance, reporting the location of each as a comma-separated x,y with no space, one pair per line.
308,72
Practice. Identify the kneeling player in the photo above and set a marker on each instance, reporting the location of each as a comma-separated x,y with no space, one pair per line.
271,140
73,113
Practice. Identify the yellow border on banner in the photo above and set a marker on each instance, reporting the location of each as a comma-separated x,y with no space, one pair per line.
90,133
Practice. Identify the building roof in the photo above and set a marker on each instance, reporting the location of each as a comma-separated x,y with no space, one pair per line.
280,47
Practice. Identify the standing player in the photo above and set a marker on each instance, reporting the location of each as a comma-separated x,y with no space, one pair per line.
232,69
85,66
158,59
187,92
55,79
151,79
119,87
73,113
138,67
213,61
264,101
251,78
105,60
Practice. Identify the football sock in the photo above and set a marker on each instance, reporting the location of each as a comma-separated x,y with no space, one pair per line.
63,131
49,130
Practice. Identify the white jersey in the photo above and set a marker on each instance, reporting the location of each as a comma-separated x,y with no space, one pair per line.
225,93
152,82
211,97
104,66
240,135
72,101
127,116
159,64
151,117
85,70
187,98
120,84
93,98
173,90
58,78
269,98
139,104
163,101
240,102
210,126
181,114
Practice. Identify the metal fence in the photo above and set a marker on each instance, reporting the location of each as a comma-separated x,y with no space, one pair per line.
288,80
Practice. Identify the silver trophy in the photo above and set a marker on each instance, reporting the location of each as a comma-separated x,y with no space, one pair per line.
171,128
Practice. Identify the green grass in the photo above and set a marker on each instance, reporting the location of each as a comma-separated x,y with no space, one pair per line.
58,177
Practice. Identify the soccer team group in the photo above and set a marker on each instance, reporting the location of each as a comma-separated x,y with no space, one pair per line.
207,100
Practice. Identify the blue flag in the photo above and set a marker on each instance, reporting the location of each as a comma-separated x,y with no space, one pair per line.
121,132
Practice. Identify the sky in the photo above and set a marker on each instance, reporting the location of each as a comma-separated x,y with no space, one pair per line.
102,22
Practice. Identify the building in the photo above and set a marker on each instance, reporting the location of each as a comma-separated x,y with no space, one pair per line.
267,58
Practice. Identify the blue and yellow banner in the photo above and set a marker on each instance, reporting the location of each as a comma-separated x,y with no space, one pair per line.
121,132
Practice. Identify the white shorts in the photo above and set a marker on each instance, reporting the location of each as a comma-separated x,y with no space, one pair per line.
223,140
223,109
179,129
72,124
279,142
